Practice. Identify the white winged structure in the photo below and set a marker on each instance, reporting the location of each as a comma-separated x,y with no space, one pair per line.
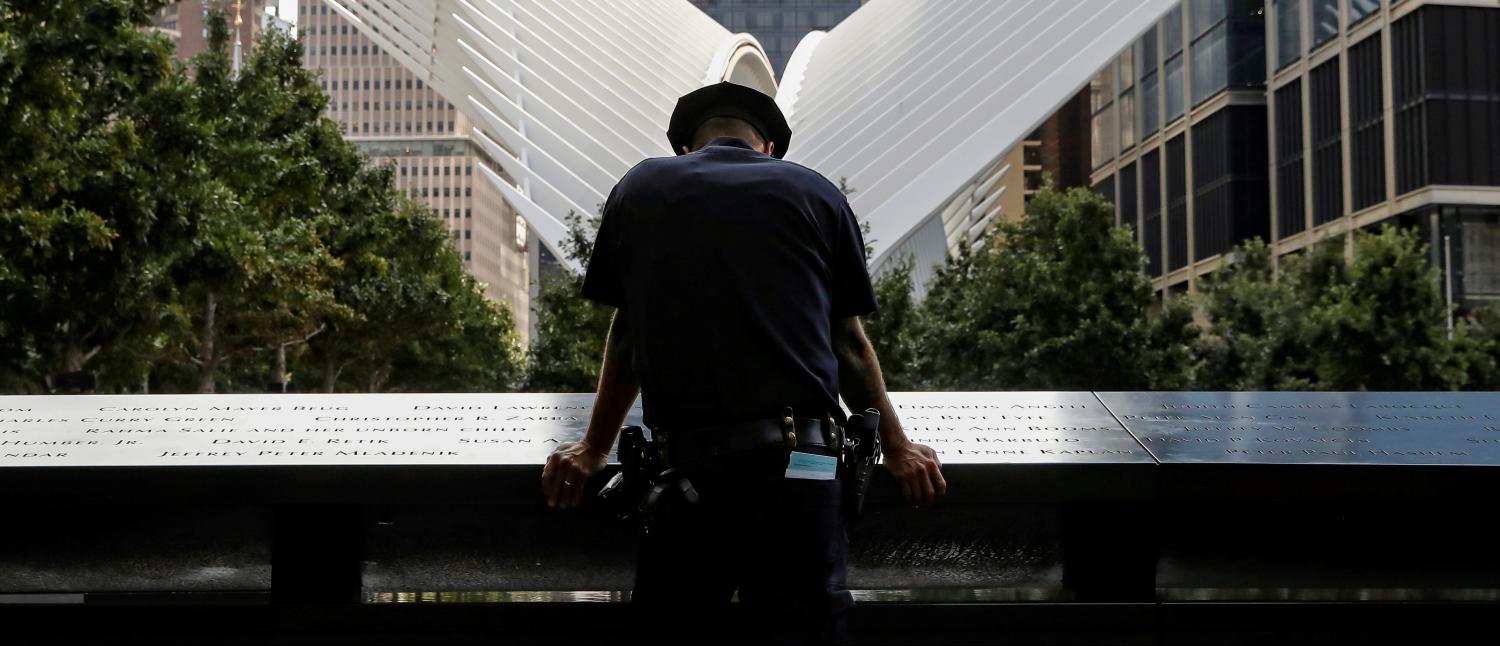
912,102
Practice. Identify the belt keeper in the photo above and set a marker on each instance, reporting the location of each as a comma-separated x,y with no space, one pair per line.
789,427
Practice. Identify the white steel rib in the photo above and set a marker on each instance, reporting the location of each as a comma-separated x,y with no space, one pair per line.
913,102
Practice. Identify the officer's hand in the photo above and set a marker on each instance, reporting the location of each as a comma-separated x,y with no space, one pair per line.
567,470
917,472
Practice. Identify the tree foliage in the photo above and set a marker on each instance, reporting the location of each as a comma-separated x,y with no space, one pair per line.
1056,301
1373,322
205,228
94,134
891,328
570,329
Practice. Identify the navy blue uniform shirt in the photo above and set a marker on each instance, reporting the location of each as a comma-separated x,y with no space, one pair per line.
730,267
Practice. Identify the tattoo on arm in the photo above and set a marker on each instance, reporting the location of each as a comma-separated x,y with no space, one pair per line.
860,380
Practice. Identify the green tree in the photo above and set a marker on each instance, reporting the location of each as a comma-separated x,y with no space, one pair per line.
417,321
891,328
1376,322
570,329
1381,323
1253,341
96,134
1477,346
1056,301
256,277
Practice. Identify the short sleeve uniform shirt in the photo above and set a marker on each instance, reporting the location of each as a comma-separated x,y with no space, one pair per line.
730,267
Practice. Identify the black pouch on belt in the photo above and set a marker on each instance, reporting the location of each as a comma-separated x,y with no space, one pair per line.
861,454
640,464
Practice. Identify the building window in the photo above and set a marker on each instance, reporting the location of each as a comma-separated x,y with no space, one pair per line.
1149,108
1325,20
1290,188
1126,213
1478,247
1105,189
520,232
1171,32
1229,179
1447,97
1171,39
1228,46
1126,103
1288,32
1177,215
1103,134
1326,122
1151,210
1361,9
1366,124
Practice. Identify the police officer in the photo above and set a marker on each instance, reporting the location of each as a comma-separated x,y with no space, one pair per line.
738,281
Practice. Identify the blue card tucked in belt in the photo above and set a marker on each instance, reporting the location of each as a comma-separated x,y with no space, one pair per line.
811,466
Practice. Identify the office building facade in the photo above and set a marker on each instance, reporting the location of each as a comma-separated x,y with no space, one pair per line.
397,119
1297,121
778,24
186,23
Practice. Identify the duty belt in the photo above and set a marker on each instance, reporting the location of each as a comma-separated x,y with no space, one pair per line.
688,446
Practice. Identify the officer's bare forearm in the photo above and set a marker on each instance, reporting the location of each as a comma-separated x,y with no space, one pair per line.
618,387
861,383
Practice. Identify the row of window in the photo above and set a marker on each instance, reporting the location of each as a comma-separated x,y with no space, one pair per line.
345,50
368,128
1322,18
447,192
1446,92
386,105
324,30
465,170
1142,91
1229,190
467,233
411,84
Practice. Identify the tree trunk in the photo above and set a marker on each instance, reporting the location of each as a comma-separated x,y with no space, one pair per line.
281,366
330,375
73,358
378,378
207,350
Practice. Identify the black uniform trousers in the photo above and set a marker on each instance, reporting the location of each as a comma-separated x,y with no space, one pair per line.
777,542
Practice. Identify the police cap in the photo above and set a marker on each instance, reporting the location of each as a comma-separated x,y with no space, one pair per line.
725,99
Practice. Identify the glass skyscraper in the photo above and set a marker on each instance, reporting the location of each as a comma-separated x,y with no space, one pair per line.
1298,120
778,24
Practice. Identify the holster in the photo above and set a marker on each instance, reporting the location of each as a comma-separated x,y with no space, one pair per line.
635,493
860,455
640,463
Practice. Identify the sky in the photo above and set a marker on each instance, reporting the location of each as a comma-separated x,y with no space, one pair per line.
288,10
